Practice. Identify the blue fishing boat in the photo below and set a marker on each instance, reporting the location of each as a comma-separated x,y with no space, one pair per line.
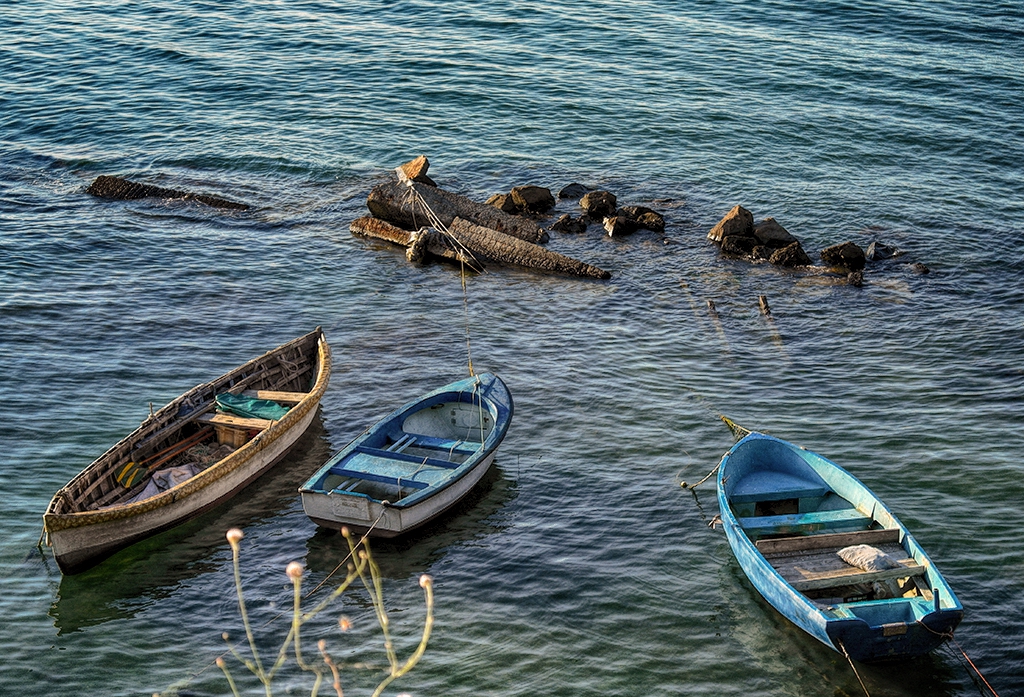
829,555
414,464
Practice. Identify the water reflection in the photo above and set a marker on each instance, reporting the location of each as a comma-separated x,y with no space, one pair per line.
136,577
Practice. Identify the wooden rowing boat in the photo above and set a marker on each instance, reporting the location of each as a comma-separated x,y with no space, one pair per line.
414,464
829,555
201,455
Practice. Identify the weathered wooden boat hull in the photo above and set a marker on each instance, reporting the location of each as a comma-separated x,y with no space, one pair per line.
782,554
82,535
412,448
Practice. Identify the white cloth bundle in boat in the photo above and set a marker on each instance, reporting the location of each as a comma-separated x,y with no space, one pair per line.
872,559
867,557
164,479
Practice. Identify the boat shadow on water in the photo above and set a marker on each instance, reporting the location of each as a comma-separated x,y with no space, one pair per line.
415,552
136,577
790,655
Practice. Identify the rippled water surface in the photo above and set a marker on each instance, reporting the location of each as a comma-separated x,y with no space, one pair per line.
580,567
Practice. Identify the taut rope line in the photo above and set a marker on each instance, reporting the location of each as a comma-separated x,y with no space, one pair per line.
464,253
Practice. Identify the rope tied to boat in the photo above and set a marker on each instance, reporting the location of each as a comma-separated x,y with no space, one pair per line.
854,668
738,432
952,640
463,251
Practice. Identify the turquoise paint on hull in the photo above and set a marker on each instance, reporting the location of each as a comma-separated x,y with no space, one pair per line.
866,630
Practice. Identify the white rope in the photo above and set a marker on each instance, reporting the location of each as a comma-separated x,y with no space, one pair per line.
463,252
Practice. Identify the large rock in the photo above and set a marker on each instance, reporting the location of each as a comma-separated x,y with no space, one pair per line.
533,199
598,204
772,235
739,221
488,245
846,255
392,201
473,245
790,255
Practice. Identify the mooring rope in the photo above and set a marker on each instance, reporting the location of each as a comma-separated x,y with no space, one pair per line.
852,666
949,636
463,251
737,432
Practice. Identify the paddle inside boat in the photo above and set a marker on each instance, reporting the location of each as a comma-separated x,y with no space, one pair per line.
828,554
415,463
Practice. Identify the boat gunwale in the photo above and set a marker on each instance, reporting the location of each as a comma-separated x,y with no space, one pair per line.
55,522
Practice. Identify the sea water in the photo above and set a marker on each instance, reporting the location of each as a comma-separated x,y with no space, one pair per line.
581,566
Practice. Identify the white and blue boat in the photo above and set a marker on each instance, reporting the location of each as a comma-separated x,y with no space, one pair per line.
825,552
414,464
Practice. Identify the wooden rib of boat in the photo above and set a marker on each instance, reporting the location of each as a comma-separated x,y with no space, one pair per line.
788,512
414,464
95,514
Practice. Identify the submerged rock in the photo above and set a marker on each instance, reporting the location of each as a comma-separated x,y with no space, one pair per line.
573,190
877,251
566,223
106,186
845,255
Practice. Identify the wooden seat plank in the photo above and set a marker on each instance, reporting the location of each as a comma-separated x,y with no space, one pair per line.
277,396
852,576
219,419
837,540
797,522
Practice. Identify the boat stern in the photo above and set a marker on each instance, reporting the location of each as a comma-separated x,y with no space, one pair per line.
883,630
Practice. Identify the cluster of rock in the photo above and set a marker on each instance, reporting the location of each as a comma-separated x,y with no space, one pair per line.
738,236
430,222
598,206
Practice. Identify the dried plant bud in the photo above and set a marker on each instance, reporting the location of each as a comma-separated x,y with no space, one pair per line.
294,570
426,580
344,623
220,661
345,531
234,535
322,645
224,636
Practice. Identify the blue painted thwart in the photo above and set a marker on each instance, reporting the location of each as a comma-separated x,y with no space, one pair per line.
788,511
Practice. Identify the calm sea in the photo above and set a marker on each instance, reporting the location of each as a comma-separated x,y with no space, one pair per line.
581,567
